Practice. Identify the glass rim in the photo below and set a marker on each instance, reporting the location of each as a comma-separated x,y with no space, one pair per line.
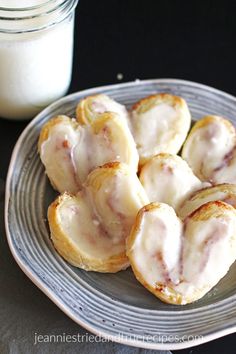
25,8
64,8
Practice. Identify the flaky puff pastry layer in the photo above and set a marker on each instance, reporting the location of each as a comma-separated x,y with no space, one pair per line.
160,124
223,192
89,230
91,107
168,179
180,261
210,150
70,151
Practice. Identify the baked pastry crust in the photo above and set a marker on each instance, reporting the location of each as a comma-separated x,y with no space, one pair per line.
160,124
210,150
91,107
89,230
168,179
224,192
179,262
70,151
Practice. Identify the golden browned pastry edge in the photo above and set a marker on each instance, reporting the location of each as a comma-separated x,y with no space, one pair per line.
162,291
72,254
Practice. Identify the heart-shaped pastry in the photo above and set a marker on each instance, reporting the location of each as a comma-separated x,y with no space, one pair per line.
168,179
224,192
160,123
180,261
90,229
91,107
70,151
210,150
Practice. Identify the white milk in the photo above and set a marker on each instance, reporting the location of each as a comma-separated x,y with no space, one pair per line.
36,62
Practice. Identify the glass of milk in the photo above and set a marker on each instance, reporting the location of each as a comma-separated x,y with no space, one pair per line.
36,51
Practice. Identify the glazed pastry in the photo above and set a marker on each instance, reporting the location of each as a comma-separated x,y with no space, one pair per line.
210,150
89,230
179,262
224,192
70,151
91,107
168,179
160,123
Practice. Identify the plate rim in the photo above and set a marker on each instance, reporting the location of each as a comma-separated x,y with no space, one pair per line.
41,285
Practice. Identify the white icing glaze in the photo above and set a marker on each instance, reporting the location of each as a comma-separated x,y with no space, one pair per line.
208,251
225,193
87,149
113,142
103,103
190,257
99,104
227,170
209,151
168,179
57,155
158,242
162,128
100,217
115,201
77,221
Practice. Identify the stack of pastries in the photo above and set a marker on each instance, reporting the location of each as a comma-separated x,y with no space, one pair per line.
126,197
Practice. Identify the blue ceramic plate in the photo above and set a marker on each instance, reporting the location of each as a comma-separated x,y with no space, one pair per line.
111,305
